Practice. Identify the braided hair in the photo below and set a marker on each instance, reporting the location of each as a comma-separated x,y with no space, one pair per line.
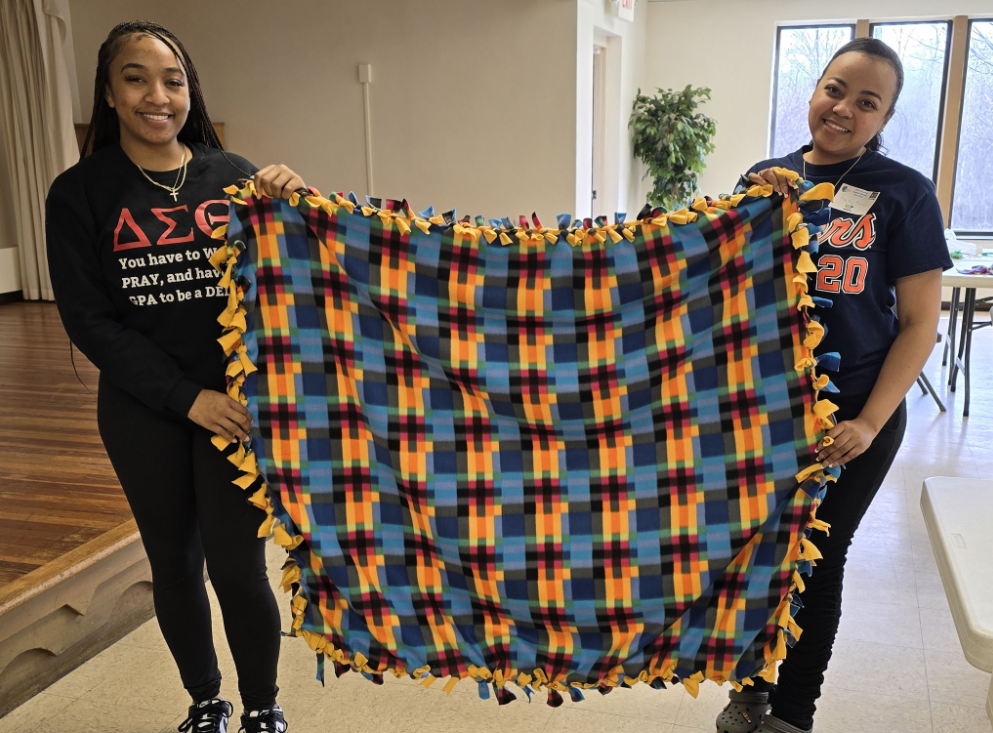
105,129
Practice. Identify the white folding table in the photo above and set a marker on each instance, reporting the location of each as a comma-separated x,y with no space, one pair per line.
957,513
970,284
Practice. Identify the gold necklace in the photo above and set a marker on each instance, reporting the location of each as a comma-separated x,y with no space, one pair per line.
843,174
176,185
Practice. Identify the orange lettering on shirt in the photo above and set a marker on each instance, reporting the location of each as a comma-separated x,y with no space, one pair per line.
843,232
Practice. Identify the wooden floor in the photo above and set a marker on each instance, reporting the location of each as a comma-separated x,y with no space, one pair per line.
57,488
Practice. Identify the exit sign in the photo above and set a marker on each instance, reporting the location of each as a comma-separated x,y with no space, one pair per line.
625,9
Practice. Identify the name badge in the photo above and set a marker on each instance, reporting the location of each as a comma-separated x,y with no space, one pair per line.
852,200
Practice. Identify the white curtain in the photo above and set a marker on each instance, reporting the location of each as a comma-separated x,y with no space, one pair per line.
35,123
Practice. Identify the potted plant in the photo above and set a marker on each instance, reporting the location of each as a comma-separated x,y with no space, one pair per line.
672,138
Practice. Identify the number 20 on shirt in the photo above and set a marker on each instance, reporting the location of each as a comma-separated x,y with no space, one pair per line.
837,274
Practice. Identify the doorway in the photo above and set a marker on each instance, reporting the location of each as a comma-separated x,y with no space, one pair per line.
597,179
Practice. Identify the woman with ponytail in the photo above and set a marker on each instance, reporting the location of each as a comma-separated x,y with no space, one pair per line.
879,261
128,244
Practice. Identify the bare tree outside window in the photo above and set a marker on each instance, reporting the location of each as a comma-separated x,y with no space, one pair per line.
911,136
972,204
802,54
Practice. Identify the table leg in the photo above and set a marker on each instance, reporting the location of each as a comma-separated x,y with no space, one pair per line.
953,311
959,351
989,704
967,316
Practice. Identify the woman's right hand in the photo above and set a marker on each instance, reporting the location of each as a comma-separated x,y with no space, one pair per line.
221,415
278,181
780,184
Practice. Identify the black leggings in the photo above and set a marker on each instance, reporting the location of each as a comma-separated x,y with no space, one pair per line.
802,672
179,488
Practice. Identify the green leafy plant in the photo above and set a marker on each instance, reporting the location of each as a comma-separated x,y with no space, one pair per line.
673,139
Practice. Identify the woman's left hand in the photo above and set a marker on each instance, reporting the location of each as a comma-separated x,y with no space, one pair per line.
278,181
851,439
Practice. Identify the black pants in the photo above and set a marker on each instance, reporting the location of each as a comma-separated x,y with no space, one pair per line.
802,672
179,488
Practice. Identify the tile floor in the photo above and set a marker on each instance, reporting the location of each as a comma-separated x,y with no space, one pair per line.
897,668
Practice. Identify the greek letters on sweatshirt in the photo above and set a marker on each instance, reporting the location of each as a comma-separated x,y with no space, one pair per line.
131,275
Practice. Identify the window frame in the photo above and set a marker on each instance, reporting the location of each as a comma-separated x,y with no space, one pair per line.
969,233
942,98
775,70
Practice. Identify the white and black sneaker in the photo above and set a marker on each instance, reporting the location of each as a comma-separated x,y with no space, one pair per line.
209,716
269,720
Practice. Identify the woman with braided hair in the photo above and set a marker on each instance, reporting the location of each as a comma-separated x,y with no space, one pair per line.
128,243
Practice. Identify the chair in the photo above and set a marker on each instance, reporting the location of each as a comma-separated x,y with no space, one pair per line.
925,385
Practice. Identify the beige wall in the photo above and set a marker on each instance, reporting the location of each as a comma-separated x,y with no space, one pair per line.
473,101
730,49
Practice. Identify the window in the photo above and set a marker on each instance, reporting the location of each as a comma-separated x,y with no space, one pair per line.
942,126
972,202
801,56
911,136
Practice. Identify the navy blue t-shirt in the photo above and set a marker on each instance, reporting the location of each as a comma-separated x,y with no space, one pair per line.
860,258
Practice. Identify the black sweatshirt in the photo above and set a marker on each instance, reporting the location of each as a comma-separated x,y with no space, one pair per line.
131,275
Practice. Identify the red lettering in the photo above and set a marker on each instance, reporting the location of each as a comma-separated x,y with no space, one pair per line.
160,214
209,222
142,240
843,232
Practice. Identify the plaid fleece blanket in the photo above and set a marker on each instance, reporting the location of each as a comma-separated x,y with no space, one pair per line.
567,457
